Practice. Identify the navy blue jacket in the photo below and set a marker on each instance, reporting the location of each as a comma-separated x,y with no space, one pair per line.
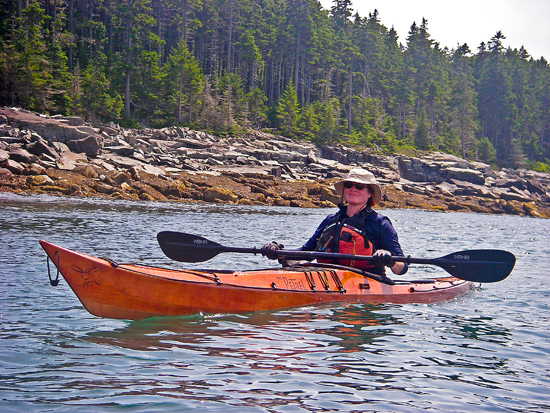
378,228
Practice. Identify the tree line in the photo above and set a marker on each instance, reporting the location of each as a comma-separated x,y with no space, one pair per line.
329,76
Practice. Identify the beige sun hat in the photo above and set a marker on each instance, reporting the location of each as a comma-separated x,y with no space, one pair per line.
361,176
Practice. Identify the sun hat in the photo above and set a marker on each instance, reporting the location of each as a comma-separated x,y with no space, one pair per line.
361,176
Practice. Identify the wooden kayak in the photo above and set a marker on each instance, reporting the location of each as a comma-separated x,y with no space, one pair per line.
129,291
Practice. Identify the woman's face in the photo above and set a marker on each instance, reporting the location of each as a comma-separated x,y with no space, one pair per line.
356,194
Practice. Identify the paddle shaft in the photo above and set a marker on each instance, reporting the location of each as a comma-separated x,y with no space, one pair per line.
217,248
470,265
337,256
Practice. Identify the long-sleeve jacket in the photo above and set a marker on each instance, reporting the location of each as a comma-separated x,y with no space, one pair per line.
378,228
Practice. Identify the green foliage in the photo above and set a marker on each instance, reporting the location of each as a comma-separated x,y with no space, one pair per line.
326,76
287,110
318,122
182,81
485,150
25,70
233,103
516,157
95,98
463,104
539,166
421,133
256,100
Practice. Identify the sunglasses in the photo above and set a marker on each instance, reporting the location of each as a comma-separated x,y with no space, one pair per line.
359,187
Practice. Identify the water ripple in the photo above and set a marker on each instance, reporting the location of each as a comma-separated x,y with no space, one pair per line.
485,351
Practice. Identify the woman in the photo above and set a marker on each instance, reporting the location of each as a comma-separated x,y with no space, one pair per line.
356,228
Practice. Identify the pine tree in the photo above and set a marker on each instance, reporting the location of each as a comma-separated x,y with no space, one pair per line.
256,107
429,73
485,150
497,107
98,100
463,102
287,109
138,56
28,72
421,135
182,80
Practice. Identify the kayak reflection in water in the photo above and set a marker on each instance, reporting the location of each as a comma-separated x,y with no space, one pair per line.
355,229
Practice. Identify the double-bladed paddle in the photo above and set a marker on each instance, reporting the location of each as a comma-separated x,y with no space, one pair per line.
484,266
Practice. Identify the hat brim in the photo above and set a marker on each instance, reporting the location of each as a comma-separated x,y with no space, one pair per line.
376,191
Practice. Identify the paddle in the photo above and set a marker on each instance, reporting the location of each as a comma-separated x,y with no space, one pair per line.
472,265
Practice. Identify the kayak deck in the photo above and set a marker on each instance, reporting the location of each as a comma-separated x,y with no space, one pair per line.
129,291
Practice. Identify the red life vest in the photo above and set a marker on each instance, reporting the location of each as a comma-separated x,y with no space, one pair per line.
349,240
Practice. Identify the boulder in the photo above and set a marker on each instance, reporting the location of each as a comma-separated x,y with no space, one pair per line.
510,195
120,177
14,166
532,210
418,170
329,194
514,207
508,182
39,180
127,187
65,164
69,120
110,131
535,186
122,150
60,147
23,156
90,145
318,168
481,167
218,194
34,169
171,189
194,143
103,188
119,161
147,192
41,147
87,171
47,128
446,188
4,156
468,175
5,174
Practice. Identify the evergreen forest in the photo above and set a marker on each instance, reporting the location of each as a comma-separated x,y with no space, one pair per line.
287,66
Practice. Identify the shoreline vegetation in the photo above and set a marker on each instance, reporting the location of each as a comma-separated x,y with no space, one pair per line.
66,156
327,75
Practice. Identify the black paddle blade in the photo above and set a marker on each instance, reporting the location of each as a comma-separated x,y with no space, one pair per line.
487,266
183,247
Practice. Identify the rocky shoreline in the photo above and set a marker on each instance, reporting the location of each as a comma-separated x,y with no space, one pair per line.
65,156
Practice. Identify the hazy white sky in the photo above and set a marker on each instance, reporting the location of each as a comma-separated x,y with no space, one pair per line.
523,22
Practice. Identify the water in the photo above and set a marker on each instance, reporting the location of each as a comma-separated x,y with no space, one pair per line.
485,351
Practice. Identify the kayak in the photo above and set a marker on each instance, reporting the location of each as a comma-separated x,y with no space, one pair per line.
130,291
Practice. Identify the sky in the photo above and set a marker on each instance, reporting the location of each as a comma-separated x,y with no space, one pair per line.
453,22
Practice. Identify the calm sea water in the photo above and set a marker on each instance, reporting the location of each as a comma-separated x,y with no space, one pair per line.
488,350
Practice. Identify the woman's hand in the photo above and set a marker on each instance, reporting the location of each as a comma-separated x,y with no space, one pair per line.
270,249
383,258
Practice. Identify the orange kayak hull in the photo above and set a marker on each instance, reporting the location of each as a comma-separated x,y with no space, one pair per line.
133,292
